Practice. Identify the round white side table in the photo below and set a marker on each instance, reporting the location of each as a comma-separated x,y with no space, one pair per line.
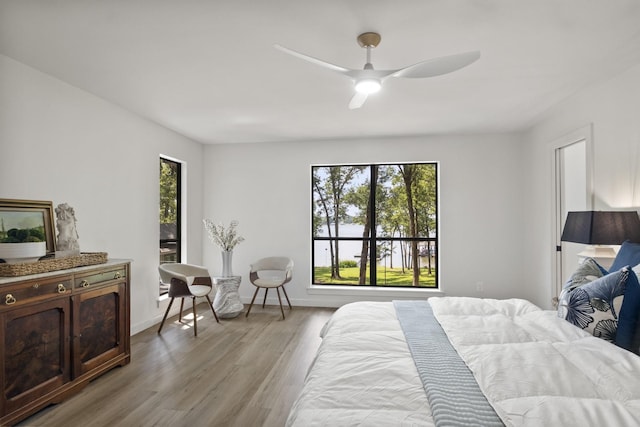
227,302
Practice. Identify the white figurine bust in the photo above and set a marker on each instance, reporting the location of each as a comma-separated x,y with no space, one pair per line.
67,234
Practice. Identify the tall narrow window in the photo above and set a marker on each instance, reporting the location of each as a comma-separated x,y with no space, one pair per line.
387,213
170,172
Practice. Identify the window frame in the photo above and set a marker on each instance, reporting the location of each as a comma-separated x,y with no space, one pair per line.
374,240
178,232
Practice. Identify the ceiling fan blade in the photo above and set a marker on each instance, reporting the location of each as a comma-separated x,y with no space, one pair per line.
438,66
313,60
357,101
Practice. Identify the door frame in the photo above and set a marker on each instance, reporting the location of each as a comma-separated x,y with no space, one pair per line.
585,134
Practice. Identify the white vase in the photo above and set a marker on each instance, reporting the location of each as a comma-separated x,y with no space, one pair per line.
227,269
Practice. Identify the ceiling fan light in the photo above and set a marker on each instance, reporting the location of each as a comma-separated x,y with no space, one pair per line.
368,86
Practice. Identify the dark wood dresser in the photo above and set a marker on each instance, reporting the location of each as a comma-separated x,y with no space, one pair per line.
59,331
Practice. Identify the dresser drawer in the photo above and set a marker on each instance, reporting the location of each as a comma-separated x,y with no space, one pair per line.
99,277
34,290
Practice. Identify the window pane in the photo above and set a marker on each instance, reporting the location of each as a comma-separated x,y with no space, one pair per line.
345,272
406,200
396,263
340,196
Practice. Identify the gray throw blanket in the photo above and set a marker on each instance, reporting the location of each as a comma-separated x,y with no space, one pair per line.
453,393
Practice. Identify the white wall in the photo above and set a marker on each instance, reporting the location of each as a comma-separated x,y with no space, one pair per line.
267,188
612,108
62,144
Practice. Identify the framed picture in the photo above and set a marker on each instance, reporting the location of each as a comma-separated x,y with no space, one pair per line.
30,214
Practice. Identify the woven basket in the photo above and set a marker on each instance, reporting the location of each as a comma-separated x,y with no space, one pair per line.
52,264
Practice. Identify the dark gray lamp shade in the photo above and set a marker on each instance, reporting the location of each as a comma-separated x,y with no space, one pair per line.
601,227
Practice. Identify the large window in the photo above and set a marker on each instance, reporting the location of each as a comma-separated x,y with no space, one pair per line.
169,210
375,225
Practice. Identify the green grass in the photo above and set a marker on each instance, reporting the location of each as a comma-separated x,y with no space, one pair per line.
386,277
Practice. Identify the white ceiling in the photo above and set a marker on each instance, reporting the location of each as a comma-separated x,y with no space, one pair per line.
208,69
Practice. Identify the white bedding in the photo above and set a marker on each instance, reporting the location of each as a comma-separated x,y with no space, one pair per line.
535,368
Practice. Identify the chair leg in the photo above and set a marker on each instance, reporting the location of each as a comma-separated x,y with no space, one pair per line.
211,305
280,300
195,318
165,315
252,300
264,301
181,305
286,296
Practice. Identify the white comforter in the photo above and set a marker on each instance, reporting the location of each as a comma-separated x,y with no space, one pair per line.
534,368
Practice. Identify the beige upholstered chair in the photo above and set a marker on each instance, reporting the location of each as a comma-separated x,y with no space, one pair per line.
186,281
271,272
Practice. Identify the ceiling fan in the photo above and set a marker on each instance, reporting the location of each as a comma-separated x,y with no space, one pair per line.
369,80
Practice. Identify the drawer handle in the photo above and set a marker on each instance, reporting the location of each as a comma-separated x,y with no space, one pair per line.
9,299
36,285
117,275
84,284
61,288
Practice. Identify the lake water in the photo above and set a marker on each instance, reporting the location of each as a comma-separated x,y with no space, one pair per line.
349,250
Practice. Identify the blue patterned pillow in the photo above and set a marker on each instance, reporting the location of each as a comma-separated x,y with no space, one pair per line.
629,254
587,271
595,306
628,321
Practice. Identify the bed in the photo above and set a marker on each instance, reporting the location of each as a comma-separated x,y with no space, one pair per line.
531,367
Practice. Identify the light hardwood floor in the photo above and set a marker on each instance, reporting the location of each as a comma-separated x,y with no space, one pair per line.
242,372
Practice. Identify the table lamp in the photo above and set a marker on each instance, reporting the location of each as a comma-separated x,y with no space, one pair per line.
599,229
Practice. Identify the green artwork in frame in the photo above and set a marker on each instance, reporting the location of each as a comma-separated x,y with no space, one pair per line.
28,214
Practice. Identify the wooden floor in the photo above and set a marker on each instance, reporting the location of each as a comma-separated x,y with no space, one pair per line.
242,372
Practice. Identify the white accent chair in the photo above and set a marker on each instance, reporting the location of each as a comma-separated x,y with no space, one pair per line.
186,281
268,273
